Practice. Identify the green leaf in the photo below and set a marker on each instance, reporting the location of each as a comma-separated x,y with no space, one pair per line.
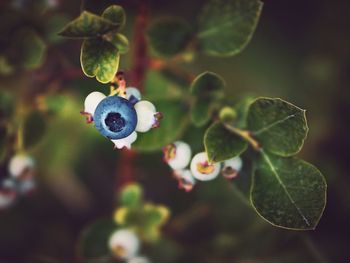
116,15
226,27
171,126
131,195
221,144
169,36
34,129
242,108
30,47
6,105
288,192
207,89
5,66
120,42
88,25
99,58
279,126
93,243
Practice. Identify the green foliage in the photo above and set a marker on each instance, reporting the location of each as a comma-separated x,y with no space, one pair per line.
288,192
99,58
226,27
99,55
221,144
169,36
34,129
171,128
93,243
280,127
131,195
207,88
30,47
88,25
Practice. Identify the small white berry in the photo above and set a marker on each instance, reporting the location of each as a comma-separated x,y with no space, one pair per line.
124,244
232,167
202,169
139,259
131,91
92,100
125,142
146,112
185,179
177,155
21,165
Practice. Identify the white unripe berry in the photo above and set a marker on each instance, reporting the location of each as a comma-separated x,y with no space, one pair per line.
124,244
145,111
202,169
185,179
232,167
139,259
92,100
131,91
125,142
177,155
20,164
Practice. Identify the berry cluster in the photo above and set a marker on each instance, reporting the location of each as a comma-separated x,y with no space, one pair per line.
178,156
121,115
19,182
125,245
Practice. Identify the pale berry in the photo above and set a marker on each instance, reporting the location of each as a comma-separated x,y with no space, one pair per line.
202,169
177,155
232,167
8,193
133,95
125,142
92,100
139,259
185,179
21,165
147,116
124,244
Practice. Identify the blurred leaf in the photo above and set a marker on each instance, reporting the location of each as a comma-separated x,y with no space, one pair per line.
54,25
226,27
221,144
93,243
242,108
88,25
30,47
34,129
279,127
6,105
116,15
169,36
131,195
99,58
5,67
207,89
120,42
171,127
288,192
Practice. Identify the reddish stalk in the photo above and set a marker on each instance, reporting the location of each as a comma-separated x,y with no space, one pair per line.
126,172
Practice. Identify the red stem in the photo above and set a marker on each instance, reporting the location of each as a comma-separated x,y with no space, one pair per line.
127,172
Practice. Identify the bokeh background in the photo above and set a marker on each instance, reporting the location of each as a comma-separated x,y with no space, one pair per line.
300,52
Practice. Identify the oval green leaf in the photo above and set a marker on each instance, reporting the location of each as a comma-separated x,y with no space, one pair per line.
279,126
226,27
288,192
99,58
169,36
116,15
221,144
88,25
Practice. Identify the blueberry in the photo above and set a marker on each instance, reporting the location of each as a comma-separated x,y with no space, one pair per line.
115,117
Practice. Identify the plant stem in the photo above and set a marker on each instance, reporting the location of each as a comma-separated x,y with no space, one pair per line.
126,172
246,135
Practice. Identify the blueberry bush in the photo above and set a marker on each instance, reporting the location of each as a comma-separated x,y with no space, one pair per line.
130,123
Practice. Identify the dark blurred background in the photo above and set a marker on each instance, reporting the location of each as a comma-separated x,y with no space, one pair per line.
300,52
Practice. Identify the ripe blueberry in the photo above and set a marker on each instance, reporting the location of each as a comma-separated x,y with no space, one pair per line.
115,117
